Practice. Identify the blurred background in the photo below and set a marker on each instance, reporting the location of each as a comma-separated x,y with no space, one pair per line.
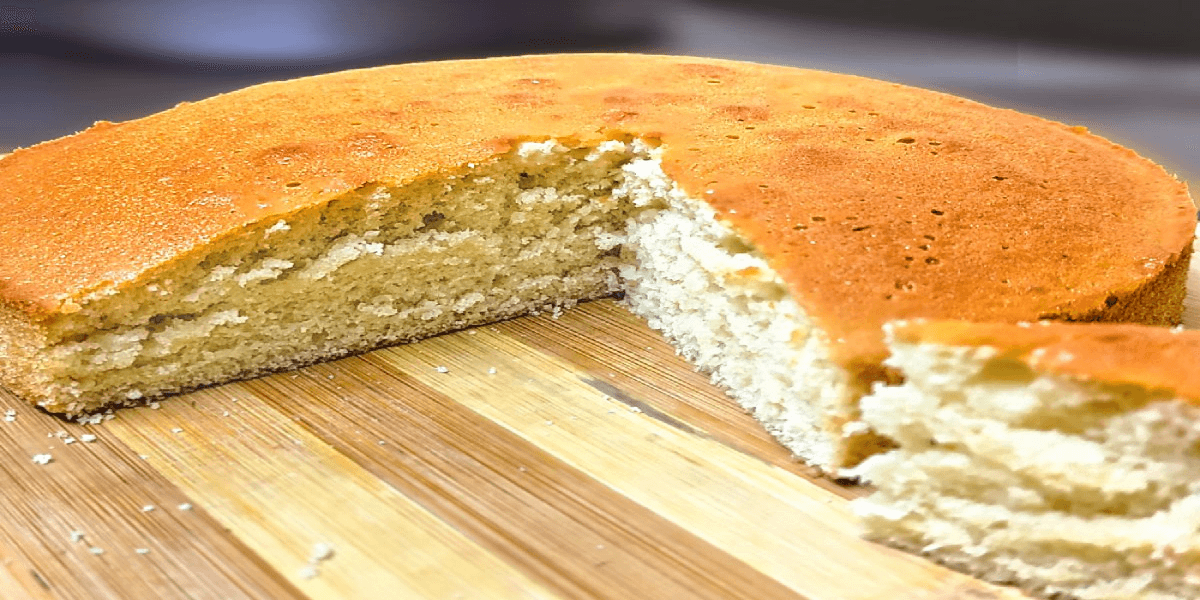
1127,70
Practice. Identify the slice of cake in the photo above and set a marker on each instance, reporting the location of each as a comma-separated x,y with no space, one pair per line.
1063,458
767,219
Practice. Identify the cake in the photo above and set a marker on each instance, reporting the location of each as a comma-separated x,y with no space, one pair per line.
768,220
1064,458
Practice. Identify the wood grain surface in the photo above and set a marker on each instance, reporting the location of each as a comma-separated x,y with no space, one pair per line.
575,457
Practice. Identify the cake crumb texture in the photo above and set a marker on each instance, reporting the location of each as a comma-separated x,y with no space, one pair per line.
1071,483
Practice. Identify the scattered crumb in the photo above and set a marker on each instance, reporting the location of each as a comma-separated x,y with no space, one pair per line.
142,550
442,370
185,506
522,469
155,405
76,536
224,413
87,437
141,456
599,546
381,442
148,508
42,459
68,440
549,422
492,371
176,430
321,551
635,409
92,419
96,551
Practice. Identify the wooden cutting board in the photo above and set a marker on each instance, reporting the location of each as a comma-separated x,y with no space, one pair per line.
575,457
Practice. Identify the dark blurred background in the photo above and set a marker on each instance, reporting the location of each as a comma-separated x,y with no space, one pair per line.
1129,70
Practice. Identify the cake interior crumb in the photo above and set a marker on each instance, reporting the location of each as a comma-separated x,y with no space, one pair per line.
1083,490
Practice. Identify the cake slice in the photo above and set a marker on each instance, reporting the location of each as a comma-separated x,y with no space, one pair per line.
1062,458
767,219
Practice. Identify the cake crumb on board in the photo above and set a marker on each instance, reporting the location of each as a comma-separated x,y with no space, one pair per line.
321,551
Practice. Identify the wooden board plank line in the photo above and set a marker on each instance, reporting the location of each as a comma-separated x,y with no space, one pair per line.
282,490
577,535
598,338
100,490
760,514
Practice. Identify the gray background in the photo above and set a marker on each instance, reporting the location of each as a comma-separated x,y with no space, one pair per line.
1131,73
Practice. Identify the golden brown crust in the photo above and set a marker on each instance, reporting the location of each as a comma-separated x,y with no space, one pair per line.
1156,358
874,201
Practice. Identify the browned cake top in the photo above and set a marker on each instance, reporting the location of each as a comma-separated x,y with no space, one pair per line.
873,200
1157,358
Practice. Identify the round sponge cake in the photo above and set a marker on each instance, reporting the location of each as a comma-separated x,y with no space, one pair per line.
846,201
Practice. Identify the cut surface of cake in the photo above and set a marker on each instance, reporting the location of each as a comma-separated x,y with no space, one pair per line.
767,219
1064,458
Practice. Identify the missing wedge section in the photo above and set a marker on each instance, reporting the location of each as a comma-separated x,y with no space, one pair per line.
1068,486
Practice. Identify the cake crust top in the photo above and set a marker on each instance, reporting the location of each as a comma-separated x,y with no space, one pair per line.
872,200
1157,358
